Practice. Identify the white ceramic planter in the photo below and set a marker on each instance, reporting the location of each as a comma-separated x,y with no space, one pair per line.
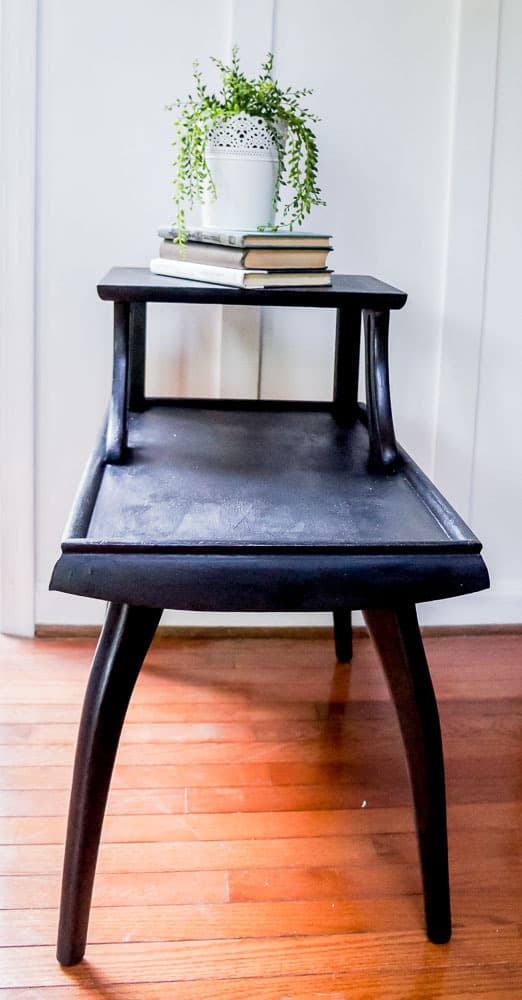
242,158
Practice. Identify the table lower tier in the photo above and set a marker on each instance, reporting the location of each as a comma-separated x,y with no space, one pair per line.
228,506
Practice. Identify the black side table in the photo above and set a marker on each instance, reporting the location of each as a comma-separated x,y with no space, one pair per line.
235,505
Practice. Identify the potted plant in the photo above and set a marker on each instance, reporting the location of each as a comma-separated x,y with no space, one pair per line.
236,150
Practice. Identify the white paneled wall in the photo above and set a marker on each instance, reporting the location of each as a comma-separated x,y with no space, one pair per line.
421,159
384,169
106,71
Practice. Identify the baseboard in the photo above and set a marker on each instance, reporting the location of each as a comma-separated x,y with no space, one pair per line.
200,632
173,632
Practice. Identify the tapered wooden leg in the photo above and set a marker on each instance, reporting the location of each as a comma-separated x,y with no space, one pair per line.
398,640
343,635
124,641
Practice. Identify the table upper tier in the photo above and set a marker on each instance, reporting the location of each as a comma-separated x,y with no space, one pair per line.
138,284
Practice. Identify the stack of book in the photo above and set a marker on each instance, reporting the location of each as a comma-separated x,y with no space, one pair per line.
244,259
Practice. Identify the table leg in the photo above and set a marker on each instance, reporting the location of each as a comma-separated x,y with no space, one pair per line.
117,424
346,370
343,635
384,455
123,644
398,640
138,335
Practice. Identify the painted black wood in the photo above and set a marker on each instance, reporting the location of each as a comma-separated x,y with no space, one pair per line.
398,640
441,509
213,505
238,478
233,508
87,492
346,370
137,284
384,456
118,408
122,647
137,349
314,581
128,381
343,635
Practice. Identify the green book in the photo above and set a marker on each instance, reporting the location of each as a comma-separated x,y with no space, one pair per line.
250,237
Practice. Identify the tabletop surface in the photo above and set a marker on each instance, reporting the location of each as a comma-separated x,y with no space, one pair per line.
134,284
242,478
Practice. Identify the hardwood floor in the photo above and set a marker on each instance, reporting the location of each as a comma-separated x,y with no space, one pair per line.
259,839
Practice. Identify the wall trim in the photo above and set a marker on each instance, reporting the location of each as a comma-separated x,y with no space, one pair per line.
470,183
18,74
251,26
172,632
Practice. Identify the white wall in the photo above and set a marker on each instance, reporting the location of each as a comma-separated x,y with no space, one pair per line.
384,167
420,156
106,71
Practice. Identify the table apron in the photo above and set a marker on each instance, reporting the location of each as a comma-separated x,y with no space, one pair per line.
209,582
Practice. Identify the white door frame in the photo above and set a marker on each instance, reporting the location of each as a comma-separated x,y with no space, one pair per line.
18,74
469,202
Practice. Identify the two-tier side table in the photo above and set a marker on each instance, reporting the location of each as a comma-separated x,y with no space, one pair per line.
253,505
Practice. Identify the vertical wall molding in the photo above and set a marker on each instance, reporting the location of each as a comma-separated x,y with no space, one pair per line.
251,27
467,247
18,67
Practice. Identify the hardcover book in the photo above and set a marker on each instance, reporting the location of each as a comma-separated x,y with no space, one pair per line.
267,258
238,277
250,238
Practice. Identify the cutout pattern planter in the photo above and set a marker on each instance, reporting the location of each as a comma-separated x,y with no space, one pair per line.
242,158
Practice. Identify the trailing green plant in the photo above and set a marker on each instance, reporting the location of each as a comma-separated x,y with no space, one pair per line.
287,120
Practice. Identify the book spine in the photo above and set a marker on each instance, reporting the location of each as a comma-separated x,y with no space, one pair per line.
198,272
226,238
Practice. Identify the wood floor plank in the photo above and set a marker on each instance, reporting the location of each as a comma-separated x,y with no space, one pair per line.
488,982
354,883
353,741
163,887
154,732
128,802
239,958
366,790
143,776
154,888
186,922
204,921
302,797
215,854
238,694
165,711
148,828
470,849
